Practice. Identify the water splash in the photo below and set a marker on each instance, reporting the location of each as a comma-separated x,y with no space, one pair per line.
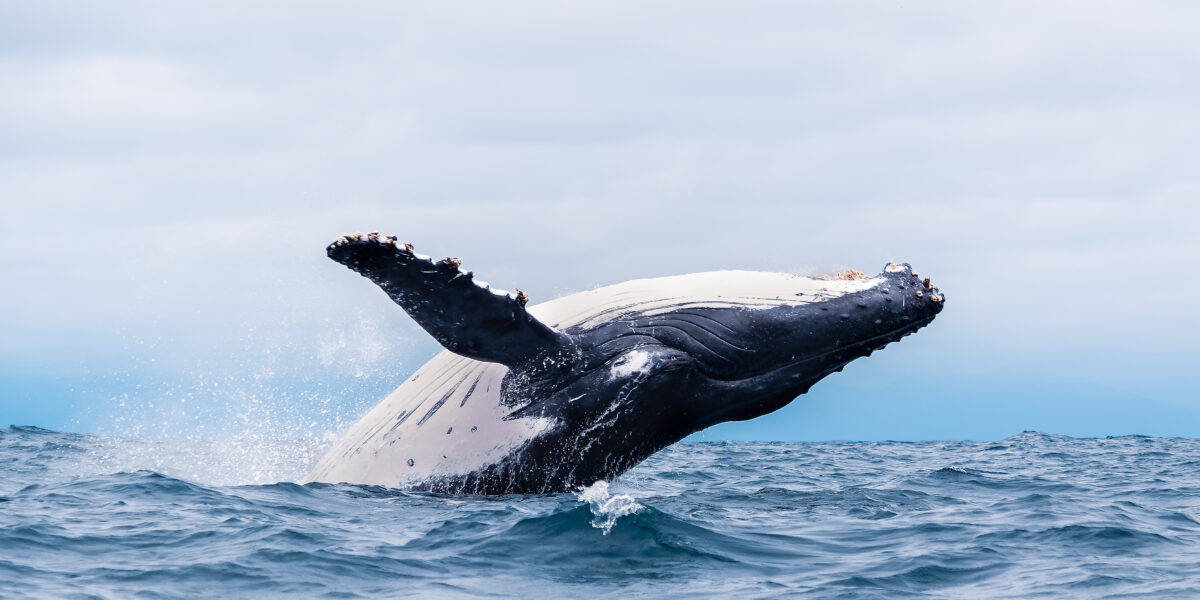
361,347
262,413
607,507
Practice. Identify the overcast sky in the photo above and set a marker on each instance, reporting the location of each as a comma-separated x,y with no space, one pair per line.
170,175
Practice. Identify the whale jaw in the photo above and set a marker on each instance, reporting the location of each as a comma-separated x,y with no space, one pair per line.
812,341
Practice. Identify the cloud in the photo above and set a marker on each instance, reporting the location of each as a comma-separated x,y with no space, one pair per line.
172,172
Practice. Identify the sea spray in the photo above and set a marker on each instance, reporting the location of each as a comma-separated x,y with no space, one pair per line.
263,412
607,507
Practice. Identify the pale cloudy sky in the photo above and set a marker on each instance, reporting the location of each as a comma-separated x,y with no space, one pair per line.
170,174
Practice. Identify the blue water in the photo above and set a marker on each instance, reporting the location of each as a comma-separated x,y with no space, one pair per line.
1033,515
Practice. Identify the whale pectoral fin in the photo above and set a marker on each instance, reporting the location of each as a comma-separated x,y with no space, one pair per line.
464,316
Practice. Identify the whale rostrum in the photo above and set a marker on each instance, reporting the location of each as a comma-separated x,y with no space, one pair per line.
558,395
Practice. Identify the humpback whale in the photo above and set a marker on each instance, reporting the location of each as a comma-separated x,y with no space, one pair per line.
558,395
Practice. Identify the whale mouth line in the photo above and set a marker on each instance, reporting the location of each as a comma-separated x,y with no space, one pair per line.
887,337
896,333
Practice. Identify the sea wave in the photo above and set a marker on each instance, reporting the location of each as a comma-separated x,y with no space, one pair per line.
1029,515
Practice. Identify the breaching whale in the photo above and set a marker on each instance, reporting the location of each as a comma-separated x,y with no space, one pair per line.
558,395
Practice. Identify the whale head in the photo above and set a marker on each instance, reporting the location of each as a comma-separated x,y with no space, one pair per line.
848,316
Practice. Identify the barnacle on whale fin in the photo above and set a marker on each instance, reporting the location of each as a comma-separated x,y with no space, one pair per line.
522,297
450,262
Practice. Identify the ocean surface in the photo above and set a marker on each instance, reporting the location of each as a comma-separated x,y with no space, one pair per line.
1029,516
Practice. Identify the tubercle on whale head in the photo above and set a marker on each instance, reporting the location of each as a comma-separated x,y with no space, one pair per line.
903,274
899,304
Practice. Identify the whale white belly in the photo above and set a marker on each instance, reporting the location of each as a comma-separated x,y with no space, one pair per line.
445,420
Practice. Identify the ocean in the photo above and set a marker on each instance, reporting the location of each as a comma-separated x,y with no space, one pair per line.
1030,516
